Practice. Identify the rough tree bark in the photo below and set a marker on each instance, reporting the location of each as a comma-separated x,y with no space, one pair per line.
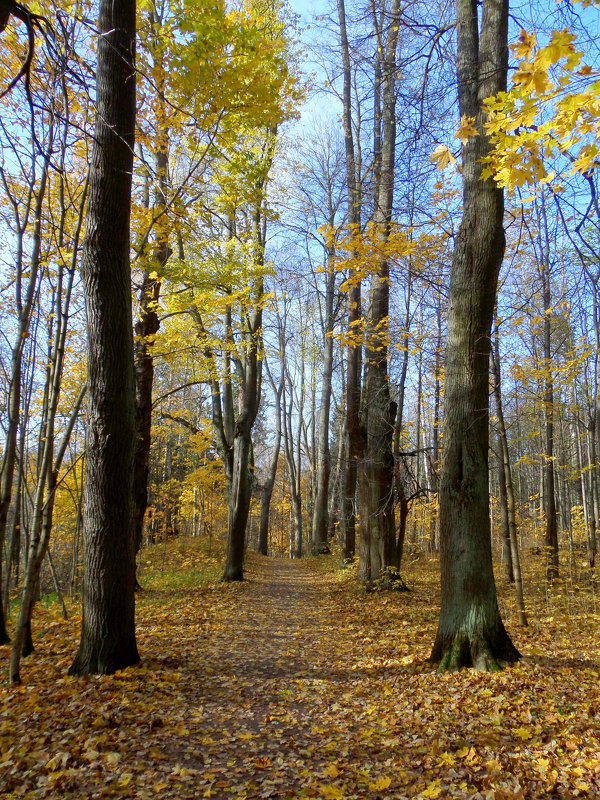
354,439
108,626
470,630
146,328
376,467
147,323
320,525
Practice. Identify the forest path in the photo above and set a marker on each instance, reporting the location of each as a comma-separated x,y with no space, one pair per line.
271,669
296,684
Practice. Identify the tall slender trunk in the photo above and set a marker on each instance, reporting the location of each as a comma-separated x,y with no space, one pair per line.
376,467
320,526
353,373
249,365
551,521
504,530
47,472
295,498
511,516
24,303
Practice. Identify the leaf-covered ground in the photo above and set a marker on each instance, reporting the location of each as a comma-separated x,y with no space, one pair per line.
297,684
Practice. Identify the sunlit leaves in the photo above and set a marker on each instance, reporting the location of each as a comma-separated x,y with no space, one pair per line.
551,110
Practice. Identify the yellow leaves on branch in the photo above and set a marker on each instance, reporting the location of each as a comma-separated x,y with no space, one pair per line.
551,109
360,252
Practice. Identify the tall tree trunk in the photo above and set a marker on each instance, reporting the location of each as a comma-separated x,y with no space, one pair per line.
353,374
551,521
248,365
320,526
108,626
146,327
376,467
506,471
504,530
24,302
593,500
470,630
147,322
47,472
266,492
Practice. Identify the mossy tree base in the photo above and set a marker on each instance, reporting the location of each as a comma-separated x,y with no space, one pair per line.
476,651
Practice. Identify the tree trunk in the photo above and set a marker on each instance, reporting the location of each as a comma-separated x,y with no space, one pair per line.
239,503
147,323
248,365
269,482
354,438
470,630
551,521
24,303
47,477
108,626
320,527
506,472
376,467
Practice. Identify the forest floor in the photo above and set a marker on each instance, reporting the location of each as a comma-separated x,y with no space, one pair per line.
295,683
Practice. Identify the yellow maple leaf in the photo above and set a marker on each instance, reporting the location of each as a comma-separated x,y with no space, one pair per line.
446,760
433,790
526,43
380,784
331,771
559,46
465,129
331,792
441,157
523,733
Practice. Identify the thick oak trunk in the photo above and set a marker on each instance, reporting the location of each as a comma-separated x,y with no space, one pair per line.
470,630
108,625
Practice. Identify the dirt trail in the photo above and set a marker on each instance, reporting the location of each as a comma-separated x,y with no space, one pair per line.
256,714
296,684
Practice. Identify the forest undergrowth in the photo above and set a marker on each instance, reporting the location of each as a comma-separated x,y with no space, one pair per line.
296,683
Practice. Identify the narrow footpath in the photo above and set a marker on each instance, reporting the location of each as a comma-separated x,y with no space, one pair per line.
259,714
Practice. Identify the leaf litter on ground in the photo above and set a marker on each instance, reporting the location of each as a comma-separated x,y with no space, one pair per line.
295,683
